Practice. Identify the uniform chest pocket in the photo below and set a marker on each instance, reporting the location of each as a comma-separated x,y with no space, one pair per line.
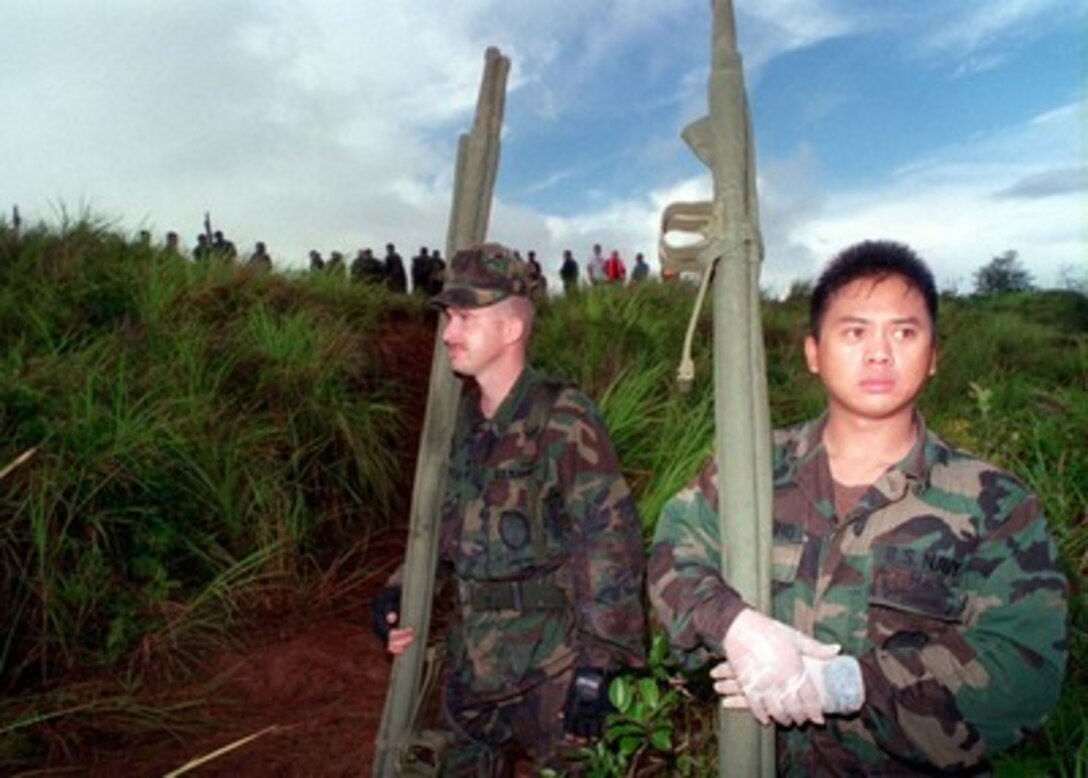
511,486
911,606
918,581
913,596
918,592
516,531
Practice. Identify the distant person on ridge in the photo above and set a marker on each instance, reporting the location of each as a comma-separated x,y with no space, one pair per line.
367,267
436,271
537,273
223,248
336,266
615,271
595,266
202,249
641,270
421,267
568,272
259,258
395,276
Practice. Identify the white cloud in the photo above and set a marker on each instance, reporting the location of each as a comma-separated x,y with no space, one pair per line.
980,34
792,196
770,28
333,124
1048,183
330,124
948,205
953,206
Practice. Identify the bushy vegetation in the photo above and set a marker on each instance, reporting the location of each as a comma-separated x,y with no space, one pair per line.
1012,386
180,441
1002,274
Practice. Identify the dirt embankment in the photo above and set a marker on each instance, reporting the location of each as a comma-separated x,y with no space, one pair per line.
306,689
307,684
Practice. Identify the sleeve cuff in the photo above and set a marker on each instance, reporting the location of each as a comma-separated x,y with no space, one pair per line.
715,615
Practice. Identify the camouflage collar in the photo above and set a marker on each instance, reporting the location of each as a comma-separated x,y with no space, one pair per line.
807,443
508,409
917,462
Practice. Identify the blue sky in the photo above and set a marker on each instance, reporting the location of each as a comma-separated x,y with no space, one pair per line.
957,127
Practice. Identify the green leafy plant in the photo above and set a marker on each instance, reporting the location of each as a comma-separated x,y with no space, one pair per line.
650,733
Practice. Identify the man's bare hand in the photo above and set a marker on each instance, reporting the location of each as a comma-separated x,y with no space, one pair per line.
399,637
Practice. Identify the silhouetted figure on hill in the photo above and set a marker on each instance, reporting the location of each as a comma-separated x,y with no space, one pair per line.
202,250
568,272
421,268
436,273
641,270
259,258
173,244
9,234
317,263
223,248
537,274
335,265
367,267
395,276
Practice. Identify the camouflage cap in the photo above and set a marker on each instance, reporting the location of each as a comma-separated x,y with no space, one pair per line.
483,275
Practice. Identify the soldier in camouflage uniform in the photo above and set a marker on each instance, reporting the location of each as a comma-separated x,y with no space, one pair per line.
539,532
919,606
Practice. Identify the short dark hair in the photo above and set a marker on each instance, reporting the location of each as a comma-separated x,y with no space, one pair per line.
875,259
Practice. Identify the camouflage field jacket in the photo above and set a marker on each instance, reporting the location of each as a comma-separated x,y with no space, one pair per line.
540,503
942,581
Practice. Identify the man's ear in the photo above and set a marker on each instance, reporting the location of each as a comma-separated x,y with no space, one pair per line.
811,349
513,329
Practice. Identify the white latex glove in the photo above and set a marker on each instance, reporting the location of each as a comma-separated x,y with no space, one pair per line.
727,687
766,662
838,682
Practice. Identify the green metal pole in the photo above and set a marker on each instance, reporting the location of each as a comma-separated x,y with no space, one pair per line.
723,140
474,181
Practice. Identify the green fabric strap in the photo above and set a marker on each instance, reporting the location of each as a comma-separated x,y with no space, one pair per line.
544,394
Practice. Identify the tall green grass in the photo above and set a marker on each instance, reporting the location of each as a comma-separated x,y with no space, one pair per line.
1012,387
204,436
623,347
200,432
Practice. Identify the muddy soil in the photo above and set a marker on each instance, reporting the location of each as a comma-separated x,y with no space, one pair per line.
301,690
307,689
